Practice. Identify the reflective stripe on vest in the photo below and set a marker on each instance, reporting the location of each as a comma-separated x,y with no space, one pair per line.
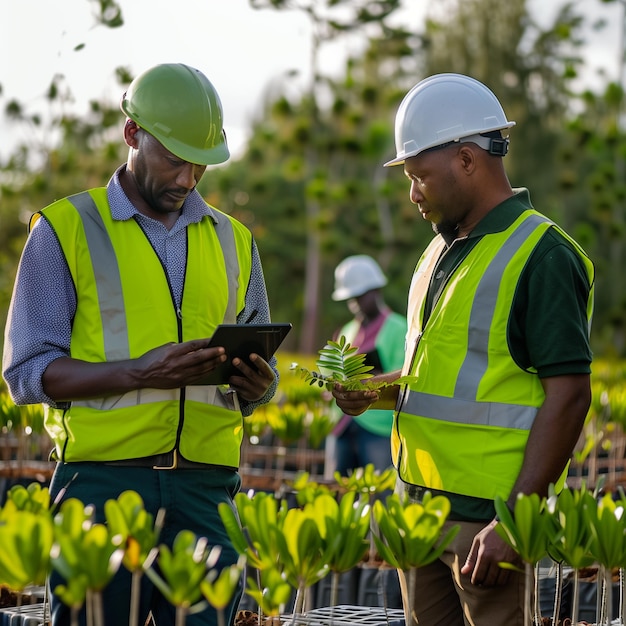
109,284
468,411
124,308
450,433
484,306
463,408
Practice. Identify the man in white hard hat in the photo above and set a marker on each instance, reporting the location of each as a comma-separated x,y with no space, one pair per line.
379,333
498,347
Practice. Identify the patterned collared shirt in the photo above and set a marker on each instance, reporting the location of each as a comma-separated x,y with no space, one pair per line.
43,305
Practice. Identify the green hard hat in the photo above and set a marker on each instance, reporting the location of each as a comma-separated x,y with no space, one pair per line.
179,106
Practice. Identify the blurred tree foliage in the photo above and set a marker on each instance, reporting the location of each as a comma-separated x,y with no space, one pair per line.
311,185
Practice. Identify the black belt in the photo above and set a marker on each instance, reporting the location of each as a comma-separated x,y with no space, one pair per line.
165,461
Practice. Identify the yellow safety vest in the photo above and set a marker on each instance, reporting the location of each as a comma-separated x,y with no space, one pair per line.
463,424
124,309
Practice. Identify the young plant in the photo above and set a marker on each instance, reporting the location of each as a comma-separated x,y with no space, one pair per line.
608,547
340,362
528,531
347,524
409,536
33,498
369,482
219,588
302,548
253,530
87,556
181,572
573,538
127,518
307,490
26,537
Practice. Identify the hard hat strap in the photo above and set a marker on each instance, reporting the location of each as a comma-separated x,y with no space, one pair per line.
498,146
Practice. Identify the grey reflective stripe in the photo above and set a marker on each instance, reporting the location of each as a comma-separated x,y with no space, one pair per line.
469,412
206,394
112,310
131,398
463,408
226,236
107,275
483,308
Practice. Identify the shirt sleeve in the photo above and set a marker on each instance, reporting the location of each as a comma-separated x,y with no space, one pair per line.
549,329
38,329
257,303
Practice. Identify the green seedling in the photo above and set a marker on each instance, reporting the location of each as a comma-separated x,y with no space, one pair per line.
347,525
529,530
182,570
342,364
307,490
218,588
270,591
253,531
33,498
368,480
303,551
287,422
26,539
409,535
127,518
571,543
608,546
86,555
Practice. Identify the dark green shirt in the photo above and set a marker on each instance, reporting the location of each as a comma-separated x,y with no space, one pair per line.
548,326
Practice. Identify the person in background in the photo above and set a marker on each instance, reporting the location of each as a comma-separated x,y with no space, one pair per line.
118,291
379,333
499,314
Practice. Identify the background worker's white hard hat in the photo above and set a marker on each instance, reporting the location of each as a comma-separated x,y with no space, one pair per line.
444,108
357,275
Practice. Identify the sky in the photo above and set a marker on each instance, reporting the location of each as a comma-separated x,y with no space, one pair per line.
243,51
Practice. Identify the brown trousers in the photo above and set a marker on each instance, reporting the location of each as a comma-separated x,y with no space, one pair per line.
445,597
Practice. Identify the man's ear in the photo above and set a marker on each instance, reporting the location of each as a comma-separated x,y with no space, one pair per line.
130,133
467,158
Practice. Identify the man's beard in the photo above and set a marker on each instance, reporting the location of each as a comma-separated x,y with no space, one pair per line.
445,229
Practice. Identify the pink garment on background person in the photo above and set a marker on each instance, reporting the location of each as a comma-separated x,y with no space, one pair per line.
365,340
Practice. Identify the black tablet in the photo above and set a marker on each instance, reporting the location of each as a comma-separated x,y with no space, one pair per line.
240,340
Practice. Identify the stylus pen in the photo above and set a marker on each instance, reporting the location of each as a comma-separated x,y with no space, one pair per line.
252,316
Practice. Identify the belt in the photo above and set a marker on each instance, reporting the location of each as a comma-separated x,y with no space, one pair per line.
165,461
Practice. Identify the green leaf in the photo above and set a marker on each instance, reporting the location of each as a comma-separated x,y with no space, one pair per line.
410,534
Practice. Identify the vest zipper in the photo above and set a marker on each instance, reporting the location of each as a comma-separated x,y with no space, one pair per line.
179,318
179,322
401,398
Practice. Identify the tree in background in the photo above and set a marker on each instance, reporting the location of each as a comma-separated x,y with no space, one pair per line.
311,185
332,164
568,148
62,153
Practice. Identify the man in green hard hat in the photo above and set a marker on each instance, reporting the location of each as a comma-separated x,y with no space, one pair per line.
118,291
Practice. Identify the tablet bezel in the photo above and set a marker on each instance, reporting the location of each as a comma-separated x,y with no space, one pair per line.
239,341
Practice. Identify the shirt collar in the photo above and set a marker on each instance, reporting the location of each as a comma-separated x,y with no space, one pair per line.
194,208
504,214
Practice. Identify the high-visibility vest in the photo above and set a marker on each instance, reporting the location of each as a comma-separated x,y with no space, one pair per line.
125,308
462,424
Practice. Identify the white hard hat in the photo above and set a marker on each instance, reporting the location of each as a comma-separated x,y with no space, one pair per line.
445,108
357,275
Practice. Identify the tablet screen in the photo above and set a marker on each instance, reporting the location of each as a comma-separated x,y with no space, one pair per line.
240,340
